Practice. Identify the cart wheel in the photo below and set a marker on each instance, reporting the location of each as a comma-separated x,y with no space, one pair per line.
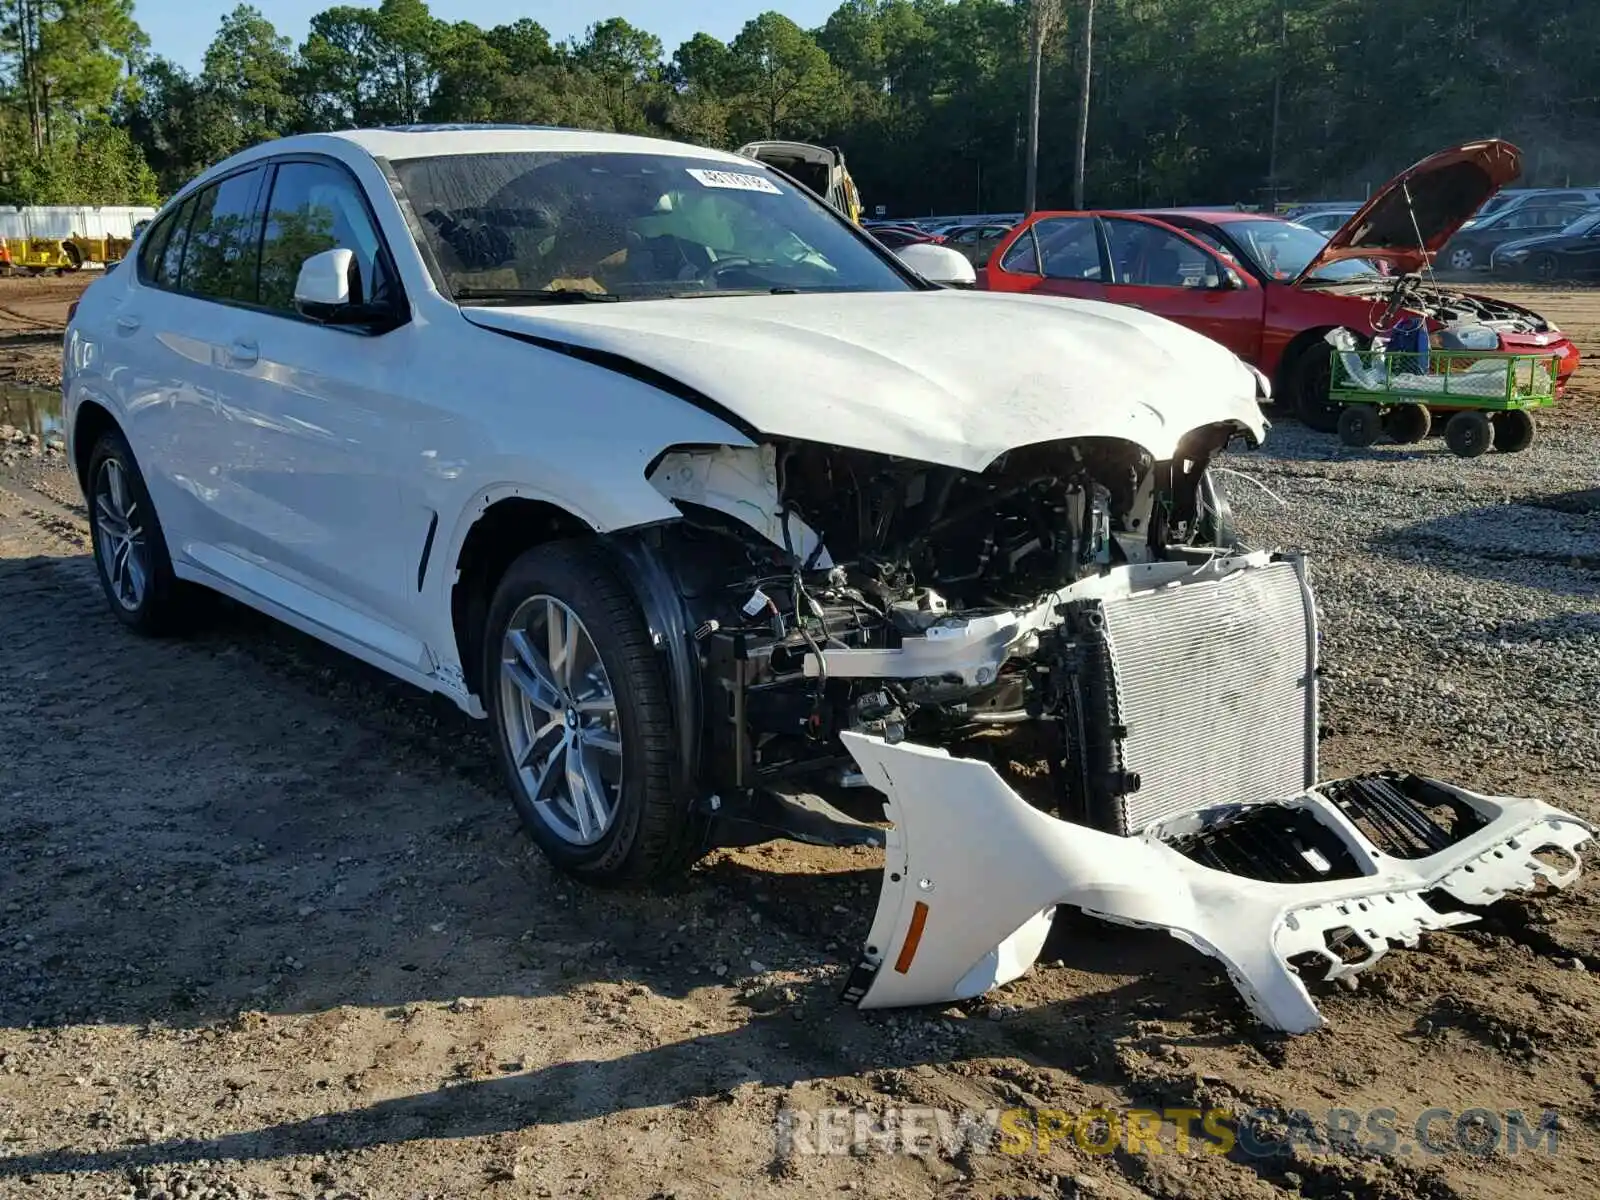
1359,425
1408,423
1468,434
1513,431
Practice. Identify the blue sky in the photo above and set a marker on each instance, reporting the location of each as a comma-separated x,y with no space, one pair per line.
182,29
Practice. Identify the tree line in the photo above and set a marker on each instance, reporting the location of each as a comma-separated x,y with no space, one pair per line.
1189,101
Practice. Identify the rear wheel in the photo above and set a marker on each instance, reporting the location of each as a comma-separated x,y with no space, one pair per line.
1408,423
1310,379
130,549
1468,434
578,700
1359,425
1463,259
1513,431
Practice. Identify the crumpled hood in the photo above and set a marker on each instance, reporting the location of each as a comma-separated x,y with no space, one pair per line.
955,378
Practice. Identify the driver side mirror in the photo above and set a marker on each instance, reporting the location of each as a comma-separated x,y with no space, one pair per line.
329,290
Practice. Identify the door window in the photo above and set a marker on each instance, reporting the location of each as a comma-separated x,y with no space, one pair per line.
165,248
1068,247
220,262
1145,255
317,207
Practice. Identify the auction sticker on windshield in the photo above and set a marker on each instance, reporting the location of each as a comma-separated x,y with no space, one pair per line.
736,180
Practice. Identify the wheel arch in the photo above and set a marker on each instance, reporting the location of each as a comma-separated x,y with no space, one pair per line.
1293,352
507,522
91,422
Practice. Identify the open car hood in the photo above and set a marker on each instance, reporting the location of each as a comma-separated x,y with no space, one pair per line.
1410,218
950,377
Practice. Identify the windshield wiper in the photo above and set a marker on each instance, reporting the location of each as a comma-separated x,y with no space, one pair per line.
534,295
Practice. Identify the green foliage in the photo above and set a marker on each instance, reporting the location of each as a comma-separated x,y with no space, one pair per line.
926,97
99,165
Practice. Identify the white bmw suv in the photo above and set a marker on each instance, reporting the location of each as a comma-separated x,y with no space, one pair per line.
720,512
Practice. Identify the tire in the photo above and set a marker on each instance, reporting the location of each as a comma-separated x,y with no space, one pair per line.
1408,423
1468,434
1359,425
1309,380
1463,259
1513,431
130,547
633,830
1545,268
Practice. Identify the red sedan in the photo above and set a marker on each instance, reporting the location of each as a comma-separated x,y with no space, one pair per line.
1270,290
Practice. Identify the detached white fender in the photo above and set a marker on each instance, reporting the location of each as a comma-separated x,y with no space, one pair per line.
973,875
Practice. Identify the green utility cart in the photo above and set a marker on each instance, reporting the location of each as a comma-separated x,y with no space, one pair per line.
1490,396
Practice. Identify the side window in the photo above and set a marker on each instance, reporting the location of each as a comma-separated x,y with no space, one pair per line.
1149,256
170,268
153,248
316,207
220,263
1023,257
1069,247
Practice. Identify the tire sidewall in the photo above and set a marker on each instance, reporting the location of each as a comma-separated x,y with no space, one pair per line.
546,570
152,614
1313,374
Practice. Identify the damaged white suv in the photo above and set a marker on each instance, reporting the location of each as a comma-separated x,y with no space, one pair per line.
725,518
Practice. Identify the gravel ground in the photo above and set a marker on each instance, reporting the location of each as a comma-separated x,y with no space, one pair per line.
268,928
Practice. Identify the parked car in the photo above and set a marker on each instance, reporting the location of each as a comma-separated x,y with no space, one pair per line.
1515,197
976,242
1471,248
1571,253
1325,221
897,237
1271,290
712,506
1295,212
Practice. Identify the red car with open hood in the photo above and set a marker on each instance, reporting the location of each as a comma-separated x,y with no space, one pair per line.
1271,290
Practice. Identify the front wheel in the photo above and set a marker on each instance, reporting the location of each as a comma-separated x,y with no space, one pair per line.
577,696
1360,425
1310,380
1462,258
1468,434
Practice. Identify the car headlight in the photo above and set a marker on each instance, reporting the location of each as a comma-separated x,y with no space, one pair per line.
1514,252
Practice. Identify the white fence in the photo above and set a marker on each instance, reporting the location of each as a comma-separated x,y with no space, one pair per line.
61,221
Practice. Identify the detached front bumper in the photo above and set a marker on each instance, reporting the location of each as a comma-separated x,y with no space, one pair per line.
973,875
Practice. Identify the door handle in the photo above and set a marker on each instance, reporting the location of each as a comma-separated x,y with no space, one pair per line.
243,353
127,324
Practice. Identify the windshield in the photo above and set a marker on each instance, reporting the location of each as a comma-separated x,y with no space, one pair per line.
532,226
1281,249
1582,225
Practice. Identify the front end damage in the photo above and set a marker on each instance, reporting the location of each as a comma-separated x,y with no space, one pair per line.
875,635
1274,891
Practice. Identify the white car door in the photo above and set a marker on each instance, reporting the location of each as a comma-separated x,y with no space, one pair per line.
326,442
173,334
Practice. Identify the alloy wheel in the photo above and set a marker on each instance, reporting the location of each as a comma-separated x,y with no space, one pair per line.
120,542
561,724
1462,259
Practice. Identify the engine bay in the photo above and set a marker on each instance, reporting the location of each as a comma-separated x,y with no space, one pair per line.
831,589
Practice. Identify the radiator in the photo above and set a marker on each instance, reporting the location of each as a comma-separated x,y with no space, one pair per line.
1194,695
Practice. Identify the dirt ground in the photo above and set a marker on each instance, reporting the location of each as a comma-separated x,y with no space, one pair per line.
268,928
